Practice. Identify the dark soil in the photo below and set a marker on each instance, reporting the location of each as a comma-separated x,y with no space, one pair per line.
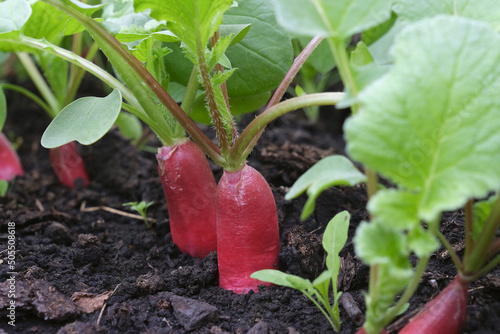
84,269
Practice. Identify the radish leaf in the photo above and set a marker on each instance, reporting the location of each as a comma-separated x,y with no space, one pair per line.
85,120
413,121
340,19
331,171
485,10
190,20
265,54
13,15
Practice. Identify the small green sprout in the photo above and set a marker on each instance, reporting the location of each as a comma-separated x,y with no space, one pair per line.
141,208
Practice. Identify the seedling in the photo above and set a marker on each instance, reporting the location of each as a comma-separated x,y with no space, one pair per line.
141,208
334,239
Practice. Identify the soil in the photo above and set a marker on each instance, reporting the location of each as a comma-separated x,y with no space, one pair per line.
84,268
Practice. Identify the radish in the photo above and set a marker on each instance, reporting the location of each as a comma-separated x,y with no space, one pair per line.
69,165
445,314
247,229
190,189
10,165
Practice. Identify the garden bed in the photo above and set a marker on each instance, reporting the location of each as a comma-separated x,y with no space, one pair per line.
82,268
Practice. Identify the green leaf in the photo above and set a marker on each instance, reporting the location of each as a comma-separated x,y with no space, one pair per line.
3,108
264,56
13,15
46,22
339,19
84,8
433,119
398,209
192,21
129,125
239,31
85,120
484,10
373,34
331,171
4,185
422,242
375,243
280,278
334,239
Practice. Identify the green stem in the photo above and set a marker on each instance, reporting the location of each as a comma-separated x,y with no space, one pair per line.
28,94
495,247
371,182
479,255
77,74
40,83
342,60
191,90
210,97
492,264
469,220
245,143
335,326
454,257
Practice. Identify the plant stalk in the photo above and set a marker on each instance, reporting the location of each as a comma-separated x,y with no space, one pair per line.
479,255
40,83
469,220
245,143
292,72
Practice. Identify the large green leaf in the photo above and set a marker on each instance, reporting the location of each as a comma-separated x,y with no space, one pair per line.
264,55
431,124
484,10
339,18
46,22
193,21
13,15
335,170
85,120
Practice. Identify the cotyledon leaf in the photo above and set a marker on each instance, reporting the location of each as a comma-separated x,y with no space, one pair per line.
85,120
431,124
328,172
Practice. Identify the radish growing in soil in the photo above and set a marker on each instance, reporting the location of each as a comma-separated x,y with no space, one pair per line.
190,188
145,89
245,212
